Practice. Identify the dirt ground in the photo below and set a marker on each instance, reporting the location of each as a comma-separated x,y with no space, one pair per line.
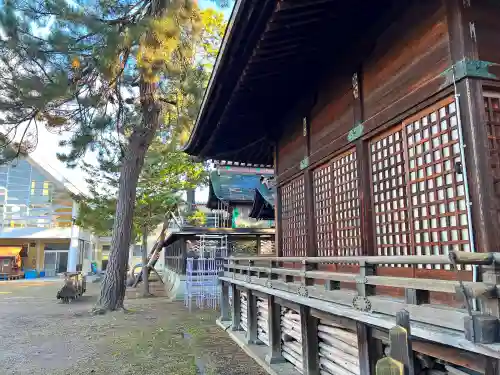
38,335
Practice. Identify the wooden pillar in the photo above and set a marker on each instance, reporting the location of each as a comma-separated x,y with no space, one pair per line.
224,301
463,46
251,336
309,330
364,168
401,348
365,202
369,350
492,366
363,289
311,250
277,209
274,331
236,309
182,257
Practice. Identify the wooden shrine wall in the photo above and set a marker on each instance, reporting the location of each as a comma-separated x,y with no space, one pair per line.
485,15
292,146
398,66
394,188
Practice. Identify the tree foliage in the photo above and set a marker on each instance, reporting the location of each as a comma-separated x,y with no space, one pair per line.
77,66
166,174
113,74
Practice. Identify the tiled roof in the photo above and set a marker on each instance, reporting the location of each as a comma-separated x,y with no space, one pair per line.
233,187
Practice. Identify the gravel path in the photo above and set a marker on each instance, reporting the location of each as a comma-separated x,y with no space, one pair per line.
38,335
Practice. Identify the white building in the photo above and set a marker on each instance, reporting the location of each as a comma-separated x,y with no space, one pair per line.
36,218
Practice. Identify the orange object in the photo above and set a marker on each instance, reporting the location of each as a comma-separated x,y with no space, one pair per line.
11,252
75,64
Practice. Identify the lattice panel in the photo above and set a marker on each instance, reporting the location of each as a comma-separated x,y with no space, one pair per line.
293,218
436,184
492,107
346,205
390,206
323,210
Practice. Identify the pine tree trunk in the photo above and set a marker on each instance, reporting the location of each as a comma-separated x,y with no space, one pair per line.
145,273
114,282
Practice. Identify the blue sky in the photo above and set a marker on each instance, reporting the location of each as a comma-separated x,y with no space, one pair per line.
48,143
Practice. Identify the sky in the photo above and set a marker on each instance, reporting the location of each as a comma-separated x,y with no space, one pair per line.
45,153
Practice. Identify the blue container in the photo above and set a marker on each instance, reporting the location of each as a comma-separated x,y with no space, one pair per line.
31,274
42,274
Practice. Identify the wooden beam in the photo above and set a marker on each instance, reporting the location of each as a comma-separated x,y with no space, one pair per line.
291,6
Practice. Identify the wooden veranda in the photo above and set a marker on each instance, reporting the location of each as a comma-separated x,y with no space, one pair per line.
381,120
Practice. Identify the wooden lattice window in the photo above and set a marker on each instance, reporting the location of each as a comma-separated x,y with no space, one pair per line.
418,186
346,205
390,206
323,210
293,218
492,107
436,183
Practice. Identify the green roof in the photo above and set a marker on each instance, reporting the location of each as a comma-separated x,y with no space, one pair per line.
234,187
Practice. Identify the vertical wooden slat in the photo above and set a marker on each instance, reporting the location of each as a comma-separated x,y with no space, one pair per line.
236,309
274,331
309,331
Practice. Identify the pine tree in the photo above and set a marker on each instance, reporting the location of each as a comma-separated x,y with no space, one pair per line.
165,175
113,73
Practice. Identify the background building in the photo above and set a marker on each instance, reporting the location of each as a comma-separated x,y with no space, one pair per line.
36,220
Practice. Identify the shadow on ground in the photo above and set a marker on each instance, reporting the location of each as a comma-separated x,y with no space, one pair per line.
38,335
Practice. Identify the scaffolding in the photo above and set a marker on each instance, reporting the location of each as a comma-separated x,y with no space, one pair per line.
202,271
